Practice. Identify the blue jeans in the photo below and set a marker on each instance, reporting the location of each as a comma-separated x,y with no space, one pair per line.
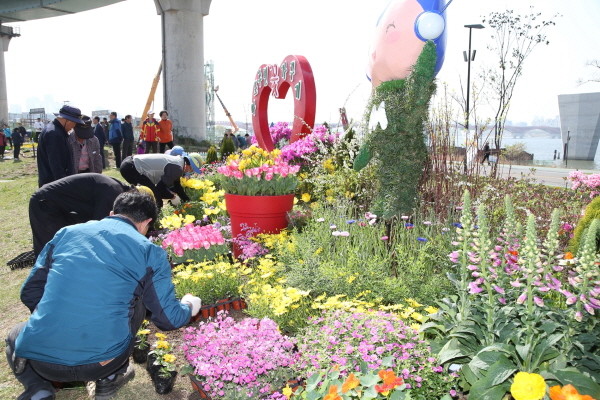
39,375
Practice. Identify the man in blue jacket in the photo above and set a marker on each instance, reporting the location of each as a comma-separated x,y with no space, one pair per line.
54,159
115,136
88,293
99,133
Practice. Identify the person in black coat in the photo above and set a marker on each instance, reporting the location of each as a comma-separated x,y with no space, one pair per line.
99,133
54,158
71,200
18,136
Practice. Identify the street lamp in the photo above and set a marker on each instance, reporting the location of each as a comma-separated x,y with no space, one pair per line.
470,56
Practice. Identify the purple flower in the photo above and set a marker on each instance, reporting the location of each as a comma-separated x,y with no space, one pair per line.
521,299
458,225
421,239
474,288
538,301
351,221
408,225
384,238
498,289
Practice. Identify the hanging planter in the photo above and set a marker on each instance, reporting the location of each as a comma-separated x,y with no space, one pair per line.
163,384
261,214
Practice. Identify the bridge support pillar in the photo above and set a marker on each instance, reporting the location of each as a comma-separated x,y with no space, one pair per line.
183,64
6,33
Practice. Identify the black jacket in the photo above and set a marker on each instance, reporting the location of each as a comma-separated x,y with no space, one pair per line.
127,130
54,157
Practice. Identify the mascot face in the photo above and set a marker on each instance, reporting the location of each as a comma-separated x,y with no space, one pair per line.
400,35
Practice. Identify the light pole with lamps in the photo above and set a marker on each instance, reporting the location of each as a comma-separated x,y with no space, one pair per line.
470,56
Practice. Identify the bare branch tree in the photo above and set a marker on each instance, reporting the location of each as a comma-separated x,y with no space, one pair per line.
515,37
596,78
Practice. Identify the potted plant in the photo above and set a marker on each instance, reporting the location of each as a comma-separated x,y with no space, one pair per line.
244,359
259,190
141,347
164,379
160,348
194,243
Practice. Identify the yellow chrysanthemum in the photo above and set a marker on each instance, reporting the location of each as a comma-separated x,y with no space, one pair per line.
169,358
143,332
162,344
528,386
161,336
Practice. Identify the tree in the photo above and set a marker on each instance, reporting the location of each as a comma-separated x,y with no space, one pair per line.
596,78
514,39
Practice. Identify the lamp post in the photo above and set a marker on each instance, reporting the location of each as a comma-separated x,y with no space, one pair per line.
470,56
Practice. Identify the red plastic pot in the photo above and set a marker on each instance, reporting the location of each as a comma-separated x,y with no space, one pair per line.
266,214
197,385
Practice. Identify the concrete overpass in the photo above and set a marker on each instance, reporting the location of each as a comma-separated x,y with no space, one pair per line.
183,52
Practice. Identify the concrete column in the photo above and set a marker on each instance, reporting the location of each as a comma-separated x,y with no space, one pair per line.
6,33
183,64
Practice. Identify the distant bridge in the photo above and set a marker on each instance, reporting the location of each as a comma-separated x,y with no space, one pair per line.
519,132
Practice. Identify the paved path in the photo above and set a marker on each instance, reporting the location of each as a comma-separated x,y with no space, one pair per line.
546,175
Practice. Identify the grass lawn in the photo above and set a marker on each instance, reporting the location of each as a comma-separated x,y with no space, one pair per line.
18,181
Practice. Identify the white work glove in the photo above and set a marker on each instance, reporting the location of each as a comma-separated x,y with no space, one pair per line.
175,201
193,301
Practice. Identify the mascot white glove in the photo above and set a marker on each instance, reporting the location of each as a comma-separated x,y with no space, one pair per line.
175,201
193,301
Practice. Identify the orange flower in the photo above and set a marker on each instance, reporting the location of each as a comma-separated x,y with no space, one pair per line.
351,383
513,252
569,256
567,392
390,378
333,394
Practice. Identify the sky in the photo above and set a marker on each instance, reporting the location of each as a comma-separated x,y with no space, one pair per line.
106,59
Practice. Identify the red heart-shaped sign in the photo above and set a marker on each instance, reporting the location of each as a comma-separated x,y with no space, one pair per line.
294,72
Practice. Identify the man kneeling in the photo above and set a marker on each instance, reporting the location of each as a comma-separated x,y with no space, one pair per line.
88,293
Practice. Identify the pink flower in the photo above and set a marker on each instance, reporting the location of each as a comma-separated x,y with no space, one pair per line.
539,301
521,299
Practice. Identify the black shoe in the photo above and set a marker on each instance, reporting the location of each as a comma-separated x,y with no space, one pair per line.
107,388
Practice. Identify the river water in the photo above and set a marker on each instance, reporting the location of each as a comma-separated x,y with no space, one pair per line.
543,148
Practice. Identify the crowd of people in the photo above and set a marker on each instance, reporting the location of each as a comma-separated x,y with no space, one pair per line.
97,275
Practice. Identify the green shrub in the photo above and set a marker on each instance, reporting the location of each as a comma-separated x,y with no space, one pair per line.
211,155
592,212
227,148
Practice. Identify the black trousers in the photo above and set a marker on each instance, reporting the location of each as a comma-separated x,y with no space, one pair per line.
132,176
151,147
38,375
17,151
2,149
127,149
117,150
45,218
163,146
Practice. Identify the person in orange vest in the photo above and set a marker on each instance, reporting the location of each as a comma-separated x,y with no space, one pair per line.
150,133
166,131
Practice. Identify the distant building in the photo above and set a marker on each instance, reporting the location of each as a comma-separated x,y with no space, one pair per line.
580,124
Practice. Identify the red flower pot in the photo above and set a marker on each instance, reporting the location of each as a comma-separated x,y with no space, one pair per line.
224,304
236,304
266,214
197,385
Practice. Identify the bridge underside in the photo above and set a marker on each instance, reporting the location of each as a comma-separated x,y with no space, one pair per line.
27,10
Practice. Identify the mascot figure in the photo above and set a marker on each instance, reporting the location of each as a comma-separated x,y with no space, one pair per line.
407,53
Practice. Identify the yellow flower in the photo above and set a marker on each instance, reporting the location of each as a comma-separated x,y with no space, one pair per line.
306,197
162,344
414,303
528,386
143,332
161,336
287,391
431,310
169,358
